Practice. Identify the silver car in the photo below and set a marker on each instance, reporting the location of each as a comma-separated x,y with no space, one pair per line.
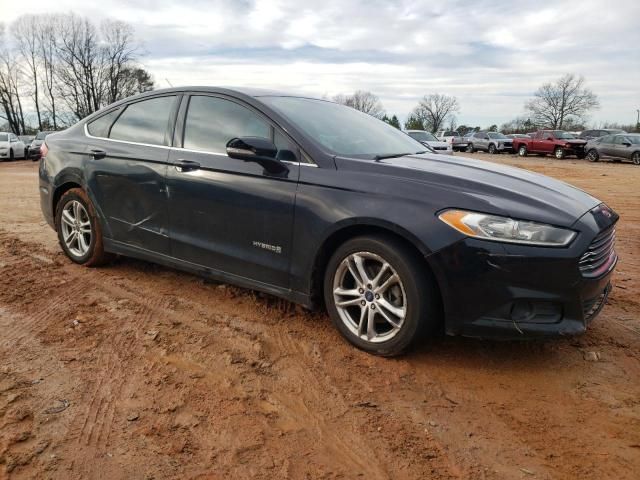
492,142
11,146
430,140
623,146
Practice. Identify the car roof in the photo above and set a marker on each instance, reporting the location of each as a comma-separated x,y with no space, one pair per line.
248,91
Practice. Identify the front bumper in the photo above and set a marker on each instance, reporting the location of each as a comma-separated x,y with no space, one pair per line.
507,291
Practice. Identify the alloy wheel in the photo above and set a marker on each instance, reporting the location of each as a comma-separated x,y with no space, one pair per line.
636,158
76,228
522,151
369,297
559,153
592,156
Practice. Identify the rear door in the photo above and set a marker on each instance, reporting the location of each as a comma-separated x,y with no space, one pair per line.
228,214
126,165
606,146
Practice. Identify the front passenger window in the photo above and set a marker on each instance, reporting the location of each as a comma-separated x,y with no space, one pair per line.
211,122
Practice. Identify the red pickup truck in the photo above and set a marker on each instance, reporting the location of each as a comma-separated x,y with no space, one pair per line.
556,142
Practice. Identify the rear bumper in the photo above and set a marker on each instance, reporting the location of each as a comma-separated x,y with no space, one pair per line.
505,291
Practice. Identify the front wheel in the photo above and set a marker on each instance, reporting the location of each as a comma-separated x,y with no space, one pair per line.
592,155
79,230
522,150
636,158
492,149
470,148
379,295
559,153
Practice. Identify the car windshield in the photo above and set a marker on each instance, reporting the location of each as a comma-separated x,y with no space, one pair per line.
343,130
423,136
497,136
41,135
561,134
3,137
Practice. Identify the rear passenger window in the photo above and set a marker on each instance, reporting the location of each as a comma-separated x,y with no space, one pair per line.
100,126
144,122
211,122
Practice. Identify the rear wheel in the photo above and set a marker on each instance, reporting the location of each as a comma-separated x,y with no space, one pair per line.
79,230
470,148
636,158
522,150
378,296
592,155
492,149
559,153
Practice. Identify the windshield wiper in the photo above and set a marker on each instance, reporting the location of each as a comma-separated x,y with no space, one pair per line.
396,155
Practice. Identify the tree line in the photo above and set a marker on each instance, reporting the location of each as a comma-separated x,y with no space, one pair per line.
65,67
563,105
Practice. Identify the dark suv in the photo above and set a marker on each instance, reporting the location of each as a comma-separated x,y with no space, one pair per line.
324,205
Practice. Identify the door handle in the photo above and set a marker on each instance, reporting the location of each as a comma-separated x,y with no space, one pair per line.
186,165
97,154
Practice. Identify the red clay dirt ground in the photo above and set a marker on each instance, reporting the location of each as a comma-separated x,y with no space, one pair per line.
140,372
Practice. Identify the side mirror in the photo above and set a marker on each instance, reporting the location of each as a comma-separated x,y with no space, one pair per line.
256,149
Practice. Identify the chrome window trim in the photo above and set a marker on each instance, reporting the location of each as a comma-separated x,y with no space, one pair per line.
206,152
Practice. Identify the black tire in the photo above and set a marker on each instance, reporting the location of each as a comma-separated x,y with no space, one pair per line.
522,150
592,155
26,154
417,287
11,156
470,148
492,149
559,153
635,158
95,255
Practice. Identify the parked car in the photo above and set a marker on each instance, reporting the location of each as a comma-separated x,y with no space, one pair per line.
622,146
34,148
428,139
321,204
11,147
492,142
453,138
555,142
590,134
518,135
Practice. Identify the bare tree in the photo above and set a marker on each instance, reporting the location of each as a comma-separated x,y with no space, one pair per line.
25,33
47,54
10,83
363,101
562,102
119,51
434,110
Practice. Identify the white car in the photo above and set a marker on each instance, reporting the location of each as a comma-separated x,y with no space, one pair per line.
456,140
430,140
11,146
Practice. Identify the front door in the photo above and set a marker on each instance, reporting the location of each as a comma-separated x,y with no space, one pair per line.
227,214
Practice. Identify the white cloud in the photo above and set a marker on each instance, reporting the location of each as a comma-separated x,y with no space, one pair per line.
491,54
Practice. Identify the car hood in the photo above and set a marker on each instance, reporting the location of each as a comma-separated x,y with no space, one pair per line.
458,182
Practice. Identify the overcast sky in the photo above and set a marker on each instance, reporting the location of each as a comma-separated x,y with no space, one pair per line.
492,55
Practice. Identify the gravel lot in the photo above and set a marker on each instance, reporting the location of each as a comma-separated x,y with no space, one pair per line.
136,371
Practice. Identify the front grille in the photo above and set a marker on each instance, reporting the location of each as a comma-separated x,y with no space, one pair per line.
600,255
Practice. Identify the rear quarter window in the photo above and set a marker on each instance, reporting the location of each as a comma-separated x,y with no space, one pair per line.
100,126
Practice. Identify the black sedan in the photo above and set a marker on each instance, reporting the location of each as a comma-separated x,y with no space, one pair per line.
324,205
623,146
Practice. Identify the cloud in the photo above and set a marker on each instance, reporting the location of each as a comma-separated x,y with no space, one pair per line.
491,54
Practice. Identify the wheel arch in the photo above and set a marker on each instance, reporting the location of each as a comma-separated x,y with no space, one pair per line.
347,230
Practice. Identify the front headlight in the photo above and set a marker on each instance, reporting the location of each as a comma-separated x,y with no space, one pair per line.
504,229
